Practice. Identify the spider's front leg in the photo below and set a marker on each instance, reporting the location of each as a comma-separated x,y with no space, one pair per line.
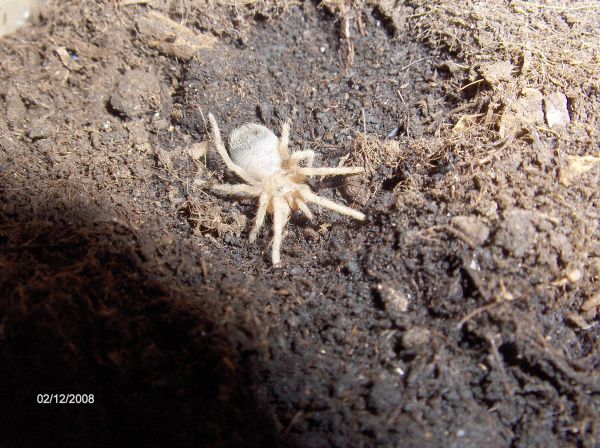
304,208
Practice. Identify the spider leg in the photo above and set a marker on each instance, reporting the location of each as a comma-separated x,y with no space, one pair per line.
284,141
263,203
237,189
309,196
216,137
304,208
281,214
330,171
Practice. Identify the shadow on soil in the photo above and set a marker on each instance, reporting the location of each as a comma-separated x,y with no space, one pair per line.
83,314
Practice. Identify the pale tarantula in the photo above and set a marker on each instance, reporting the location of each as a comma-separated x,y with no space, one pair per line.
275,176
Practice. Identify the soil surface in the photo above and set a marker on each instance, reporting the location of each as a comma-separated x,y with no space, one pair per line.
462,312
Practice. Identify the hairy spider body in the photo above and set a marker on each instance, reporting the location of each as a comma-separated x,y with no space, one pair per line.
275,176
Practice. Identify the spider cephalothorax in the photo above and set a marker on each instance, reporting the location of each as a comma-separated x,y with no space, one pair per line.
275,176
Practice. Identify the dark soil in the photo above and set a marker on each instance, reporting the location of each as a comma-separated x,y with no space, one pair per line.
459,314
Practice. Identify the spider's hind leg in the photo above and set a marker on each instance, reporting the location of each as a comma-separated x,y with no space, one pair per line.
281,215
263,203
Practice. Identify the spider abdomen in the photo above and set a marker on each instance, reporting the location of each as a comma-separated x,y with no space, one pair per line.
255,148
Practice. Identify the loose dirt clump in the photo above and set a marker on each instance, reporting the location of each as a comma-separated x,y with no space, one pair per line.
463,312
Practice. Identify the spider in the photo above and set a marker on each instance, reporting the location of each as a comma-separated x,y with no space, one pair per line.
275,176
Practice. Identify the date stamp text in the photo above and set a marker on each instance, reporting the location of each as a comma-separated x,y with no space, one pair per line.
65,398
